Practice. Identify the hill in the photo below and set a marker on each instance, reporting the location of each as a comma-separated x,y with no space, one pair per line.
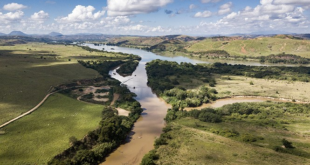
55,34
261,46
17,33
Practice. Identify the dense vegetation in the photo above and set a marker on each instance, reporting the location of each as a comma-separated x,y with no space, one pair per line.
263,127
284,58
103,67
128,68
272,72
164,75
192,98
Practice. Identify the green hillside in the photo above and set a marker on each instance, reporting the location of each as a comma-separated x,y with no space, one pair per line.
262,46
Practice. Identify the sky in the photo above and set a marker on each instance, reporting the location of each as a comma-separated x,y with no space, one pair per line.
155,17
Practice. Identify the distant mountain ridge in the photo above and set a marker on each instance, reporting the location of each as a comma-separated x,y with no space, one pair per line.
17,33
54,34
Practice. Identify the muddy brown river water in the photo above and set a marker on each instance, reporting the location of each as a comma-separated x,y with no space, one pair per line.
149,125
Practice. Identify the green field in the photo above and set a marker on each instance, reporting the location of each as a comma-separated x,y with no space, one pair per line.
29,70
254,138
36,138
262,46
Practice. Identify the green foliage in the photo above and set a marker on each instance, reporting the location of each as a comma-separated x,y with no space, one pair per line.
103,149
103,67
128,68
206,116
149,158
84,157
88,96
182,98
300,73
158,73
285,58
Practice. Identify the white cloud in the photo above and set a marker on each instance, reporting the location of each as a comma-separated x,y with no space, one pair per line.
203,14
14,7
225,8
133,7
266,16
208,1
40,16
80,14
192,6
11,17
300,3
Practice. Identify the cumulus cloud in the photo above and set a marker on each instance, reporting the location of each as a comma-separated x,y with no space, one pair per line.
11,17
40,16
203,14
265,16
208,1
14,7
300,3
133,7
225,8
82,13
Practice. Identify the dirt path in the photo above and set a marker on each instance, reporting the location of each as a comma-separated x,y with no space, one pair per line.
115,97
28,112
243,49
31,110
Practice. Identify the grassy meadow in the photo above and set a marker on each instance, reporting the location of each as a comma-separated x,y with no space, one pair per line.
245,86
253,138
29,70
36,138
262,46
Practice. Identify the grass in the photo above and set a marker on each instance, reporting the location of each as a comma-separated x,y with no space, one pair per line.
24,82
29,70
193,142
241,86
36,138
50,51
255,47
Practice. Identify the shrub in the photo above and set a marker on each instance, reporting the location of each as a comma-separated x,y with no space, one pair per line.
287,144
149,158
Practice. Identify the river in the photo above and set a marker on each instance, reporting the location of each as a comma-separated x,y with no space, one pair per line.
149,125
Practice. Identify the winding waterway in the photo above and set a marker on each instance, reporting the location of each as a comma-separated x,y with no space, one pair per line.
149,125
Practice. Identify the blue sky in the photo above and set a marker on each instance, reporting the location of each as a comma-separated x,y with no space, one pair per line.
154,17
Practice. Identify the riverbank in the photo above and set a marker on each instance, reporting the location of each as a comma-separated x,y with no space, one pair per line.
256,129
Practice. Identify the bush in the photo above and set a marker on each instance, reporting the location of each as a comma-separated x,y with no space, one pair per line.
287,144
149,158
